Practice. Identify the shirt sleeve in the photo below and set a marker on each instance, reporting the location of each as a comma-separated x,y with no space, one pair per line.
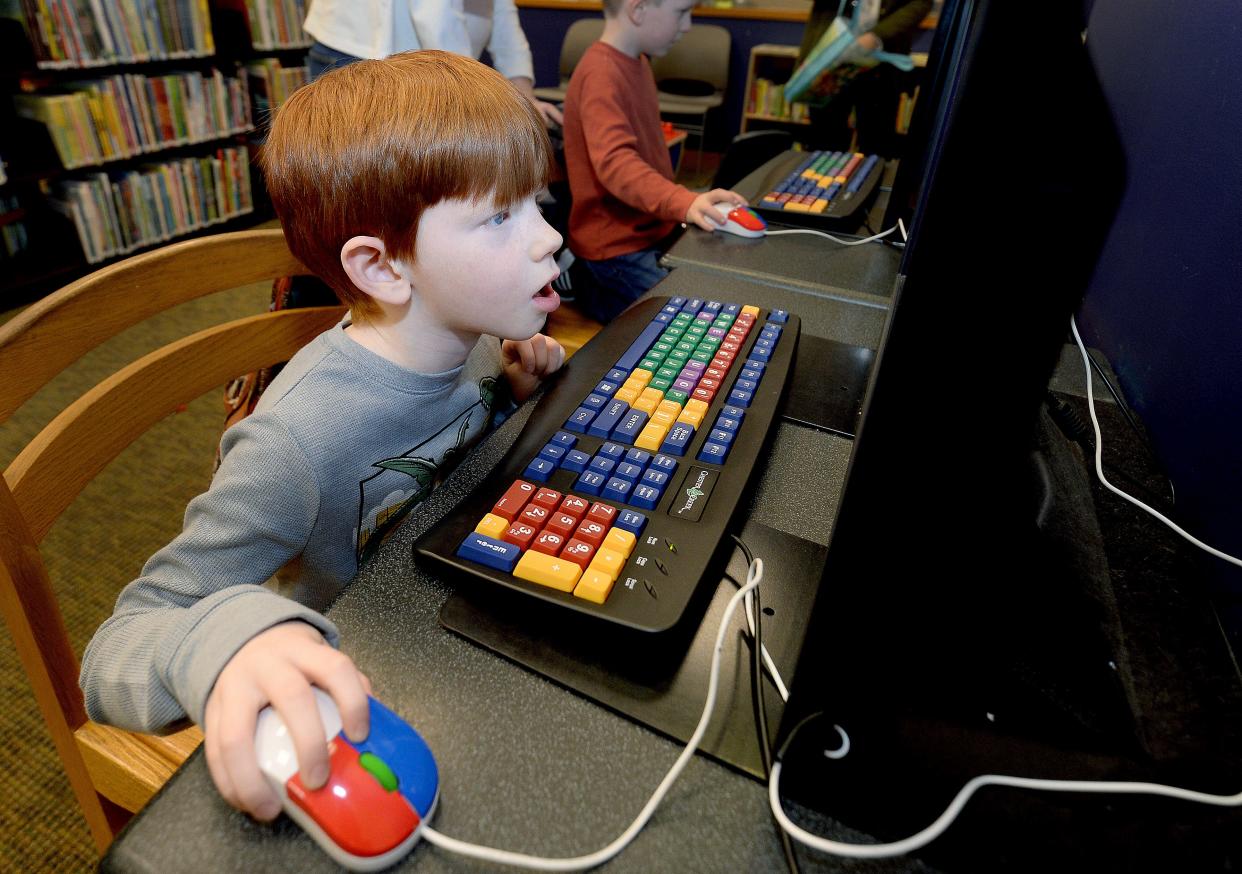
612,149
508,46
201,598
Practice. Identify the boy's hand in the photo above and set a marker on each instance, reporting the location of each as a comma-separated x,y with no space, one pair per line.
526,362
551,113
277,667
704,213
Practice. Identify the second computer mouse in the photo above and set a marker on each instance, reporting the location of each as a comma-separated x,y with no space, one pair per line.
379,793
744,222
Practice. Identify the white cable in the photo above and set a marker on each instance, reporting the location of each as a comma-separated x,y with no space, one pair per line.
870,239
937,828
767,659
1099,464
504,857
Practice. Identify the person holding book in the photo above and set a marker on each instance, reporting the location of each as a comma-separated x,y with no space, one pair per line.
625,203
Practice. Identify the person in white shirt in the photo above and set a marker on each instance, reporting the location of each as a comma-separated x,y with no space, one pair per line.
346,30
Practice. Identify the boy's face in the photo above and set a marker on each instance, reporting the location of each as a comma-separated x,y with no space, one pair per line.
663,25
486,269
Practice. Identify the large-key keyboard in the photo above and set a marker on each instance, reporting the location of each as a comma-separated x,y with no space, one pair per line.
622,486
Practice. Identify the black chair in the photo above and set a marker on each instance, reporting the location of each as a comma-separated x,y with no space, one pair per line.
748,152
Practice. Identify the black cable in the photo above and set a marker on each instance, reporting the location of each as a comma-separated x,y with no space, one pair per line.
760,702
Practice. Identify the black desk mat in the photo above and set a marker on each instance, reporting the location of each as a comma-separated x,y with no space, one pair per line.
827,386
661,681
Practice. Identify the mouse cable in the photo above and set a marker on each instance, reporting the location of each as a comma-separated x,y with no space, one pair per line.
941,824
1099,467
751,620
754,576
900,226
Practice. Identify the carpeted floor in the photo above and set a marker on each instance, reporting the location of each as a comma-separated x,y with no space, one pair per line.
100,543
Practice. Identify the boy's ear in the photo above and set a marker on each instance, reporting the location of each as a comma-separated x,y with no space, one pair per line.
636,11
371,268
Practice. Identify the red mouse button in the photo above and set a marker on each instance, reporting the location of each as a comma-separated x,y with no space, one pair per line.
748,219
353,809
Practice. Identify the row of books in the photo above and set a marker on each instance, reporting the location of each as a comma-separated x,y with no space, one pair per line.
277,24
271,84
92,33
768,98
905,110
116,213
13,237
102,120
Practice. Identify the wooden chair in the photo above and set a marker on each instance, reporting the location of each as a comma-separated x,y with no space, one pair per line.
114,772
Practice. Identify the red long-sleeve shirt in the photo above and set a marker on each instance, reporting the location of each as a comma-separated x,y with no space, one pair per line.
620,173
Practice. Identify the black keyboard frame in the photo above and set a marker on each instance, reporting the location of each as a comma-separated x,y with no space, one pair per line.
651,597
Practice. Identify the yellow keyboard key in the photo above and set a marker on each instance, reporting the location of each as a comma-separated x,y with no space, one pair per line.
635,383
492,525
654,395
797,207
819,205
547,570
664,418
620,540
693,418
629,395
641,374
751,309
596,586
652,437
644,403
671,407
695,405
608,561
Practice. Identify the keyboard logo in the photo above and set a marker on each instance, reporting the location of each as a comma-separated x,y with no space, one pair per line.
696,491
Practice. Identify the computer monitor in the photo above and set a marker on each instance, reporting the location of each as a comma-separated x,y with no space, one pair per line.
964,623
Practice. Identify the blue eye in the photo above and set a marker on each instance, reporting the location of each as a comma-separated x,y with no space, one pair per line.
499,218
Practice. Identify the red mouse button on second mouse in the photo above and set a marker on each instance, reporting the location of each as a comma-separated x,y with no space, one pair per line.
353,809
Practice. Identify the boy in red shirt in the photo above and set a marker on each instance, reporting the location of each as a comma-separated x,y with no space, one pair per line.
620,175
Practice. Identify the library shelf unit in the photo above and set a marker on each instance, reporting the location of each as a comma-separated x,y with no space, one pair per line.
768,70
118,134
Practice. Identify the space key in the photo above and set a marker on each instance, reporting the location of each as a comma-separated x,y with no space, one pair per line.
639,347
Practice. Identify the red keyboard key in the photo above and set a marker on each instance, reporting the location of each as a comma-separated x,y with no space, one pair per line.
737,335
591,532
512,501
548,543
716,373
574,506
703,394
719,363
534,515
520,535
548,498
727,346
561,523
726,355
578,552
711,384
602,513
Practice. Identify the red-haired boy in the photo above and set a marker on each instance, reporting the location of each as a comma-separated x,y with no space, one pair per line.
408,185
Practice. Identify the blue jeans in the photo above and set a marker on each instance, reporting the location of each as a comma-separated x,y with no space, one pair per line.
619,281
320,59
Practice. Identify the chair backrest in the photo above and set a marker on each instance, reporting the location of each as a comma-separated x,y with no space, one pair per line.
578,39
748,152
702,54
76,445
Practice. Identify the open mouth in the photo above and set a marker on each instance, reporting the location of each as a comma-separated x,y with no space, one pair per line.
547,299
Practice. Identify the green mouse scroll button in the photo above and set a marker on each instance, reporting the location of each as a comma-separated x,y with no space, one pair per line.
383,774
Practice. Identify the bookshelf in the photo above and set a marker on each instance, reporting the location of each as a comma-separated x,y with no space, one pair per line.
768,70
125,124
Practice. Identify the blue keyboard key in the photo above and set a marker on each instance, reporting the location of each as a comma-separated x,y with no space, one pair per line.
569,441
713,452
576,461
590,483
746,385
616,375
692,306
728,423
488,551
721,436
778,316
628,471
755,364
657,479
679,436
631,426
639,347
611,450
645,497
731,309
617,490
713,306
638,456
664,463
677,302
772,328
733,412
553,453
762,344
608,419
663,318
760,353
670,309
740,398
606,388
770,336
751,374
628,520
595,402
580,419
539,470
602,464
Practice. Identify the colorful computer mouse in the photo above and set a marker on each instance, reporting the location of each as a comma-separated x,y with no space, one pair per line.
744,222
380,791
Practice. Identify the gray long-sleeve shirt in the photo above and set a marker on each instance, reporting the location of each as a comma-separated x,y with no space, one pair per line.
342,446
